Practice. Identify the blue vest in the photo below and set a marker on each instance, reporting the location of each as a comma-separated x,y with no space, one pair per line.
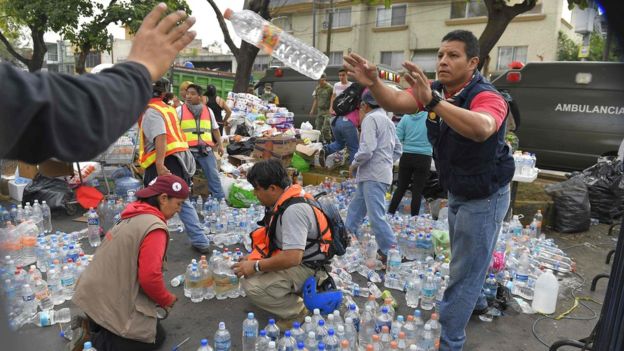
465,167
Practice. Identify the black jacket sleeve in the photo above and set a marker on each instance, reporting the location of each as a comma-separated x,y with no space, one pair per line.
71,118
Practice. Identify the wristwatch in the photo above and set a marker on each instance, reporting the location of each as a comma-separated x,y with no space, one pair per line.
436,97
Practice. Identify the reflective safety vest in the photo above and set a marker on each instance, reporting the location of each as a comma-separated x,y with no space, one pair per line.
175,139
263,238
192,131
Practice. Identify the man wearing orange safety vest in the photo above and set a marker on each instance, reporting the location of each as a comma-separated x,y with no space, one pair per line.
163,150
287,249
201,130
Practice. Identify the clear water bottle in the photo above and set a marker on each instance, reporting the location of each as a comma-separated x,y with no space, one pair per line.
351,333
397,326
331,341
383,319
427,343
298,333
29,304
546,293
68,281
295,54
197,292
308,325
394,260
490,287
310,342
286,343
93,228
436,329
428,292
321,331
47,217
222,339
538,218
54,286
204,345
250,332
88,347
42,295
354,315
521,278
367,327
51,317
272,330
262,342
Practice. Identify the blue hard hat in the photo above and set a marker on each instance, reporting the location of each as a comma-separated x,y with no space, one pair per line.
189,64
326,301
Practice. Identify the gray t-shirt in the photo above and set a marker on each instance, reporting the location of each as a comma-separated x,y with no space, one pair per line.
154,125
290,232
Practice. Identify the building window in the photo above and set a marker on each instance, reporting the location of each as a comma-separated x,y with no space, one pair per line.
52,52
342,18
393,16
393,59
93,59
467,9
261,63
427,61
335,58
508,54
284,22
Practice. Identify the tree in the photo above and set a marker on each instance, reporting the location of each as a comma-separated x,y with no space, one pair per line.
568,50
500,14
93,34
246,53
40,16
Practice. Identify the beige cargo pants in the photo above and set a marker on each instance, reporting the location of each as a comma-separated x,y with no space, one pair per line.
279,292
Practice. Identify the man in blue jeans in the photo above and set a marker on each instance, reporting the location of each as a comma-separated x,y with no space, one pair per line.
164,151
465,115
372,167
200,127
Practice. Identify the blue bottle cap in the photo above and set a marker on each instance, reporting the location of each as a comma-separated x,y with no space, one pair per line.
271,321
204,342
250,315
263,332
384,309
321,323
296,325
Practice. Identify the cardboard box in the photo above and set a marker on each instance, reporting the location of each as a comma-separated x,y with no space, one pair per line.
48,168
16,190
237,160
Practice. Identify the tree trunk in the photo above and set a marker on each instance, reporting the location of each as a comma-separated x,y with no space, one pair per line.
81,59
39,50
493,30
245,59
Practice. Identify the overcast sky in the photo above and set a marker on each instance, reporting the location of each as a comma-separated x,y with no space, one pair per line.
206,26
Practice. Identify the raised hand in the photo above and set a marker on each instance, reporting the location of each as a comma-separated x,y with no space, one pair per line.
361,70
416,78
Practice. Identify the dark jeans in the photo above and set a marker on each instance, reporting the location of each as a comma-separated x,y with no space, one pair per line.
104,340
414,169
173,165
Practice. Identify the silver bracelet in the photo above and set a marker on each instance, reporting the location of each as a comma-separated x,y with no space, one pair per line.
257,266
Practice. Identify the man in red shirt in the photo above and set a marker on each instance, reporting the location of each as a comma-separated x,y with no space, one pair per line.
465,115
128,267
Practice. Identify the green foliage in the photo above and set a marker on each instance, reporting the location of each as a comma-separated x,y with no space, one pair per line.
43,15
567,49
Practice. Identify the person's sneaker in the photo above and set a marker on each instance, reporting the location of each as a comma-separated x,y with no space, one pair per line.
480,311
202,250
286,324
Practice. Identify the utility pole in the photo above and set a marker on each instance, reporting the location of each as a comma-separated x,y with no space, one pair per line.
314,23
329,26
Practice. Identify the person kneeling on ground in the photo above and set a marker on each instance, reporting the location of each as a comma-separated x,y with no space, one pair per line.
123,286
287,249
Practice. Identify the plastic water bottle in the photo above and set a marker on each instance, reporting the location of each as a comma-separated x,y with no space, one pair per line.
29,304
298,333
351,333
521,279
397,326
383,319
55,287
48,318
538,218
394,260
435,328
427,294
222,339
310,342
321,331
204,346
250,332
427,343
308,325
287,343
42,295
47,217
199,206
197,292
490,287
546,293
93,228
262,342
412,295
253,29
88,347
331,341
367,326
68,282
272,330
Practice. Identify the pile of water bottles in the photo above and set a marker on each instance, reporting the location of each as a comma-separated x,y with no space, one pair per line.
213,278
39,268
372,327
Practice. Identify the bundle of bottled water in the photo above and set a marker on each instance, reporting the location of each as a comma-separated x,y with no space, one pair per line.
207,279
525,163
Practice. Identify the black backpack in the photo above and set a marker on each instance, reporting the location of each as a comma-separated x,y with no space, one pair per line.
349,100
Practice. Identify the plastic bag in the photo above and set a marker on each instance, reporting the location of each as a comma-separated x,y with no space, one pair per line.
441,243
241,148
604,181
242,195
572,208
306,126
55,192
300,163
335,160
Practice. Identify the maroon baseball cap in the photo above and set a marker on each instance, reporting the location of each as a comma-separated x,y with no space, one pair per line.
169,184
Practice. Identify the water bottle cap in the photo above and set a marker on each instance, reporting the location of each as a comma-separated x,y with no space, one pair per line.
331,332
227,14
221,325
271,321
321,323
352,307
384,309
263,332
300,345
321,346
296,325
417,313
317,311
308,319
491,275
250,315
204,342
287,333
340,328
87,345
400,318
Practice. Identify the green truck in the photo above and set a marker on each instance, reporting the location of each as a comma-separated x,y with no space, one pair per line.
223,81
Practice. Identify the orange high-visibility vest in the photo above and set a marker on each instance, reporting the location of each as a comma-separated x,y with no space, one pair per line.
192,131
175,139
261,238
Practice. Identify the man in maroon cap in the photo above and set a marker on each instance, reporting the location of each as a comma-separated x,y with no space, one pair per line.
121,289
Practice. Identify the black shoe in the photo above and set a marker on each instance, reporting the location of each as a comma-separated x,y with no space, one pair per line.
202,250
479,312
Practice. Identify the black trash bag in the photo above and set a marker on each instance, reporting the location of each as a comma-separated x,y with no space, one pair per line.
606,191
572,208
55,192
241,148
242,130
